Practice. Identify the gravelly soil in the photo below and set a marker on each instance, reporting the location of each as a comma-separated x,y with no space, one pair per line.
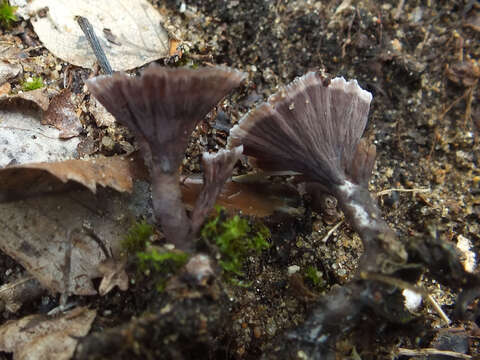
420,61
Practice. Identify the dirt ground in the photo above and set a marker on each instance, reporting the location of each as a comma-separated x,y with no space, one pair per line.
420,60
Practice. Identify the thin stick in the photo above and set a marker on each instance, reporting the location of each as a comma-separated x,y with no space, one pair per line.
92,38
438,309
432,351
388,191
331,231
399,10
406,285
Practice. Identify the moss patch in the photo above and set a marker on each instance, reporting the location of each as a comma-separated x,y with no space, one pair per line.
33,84
137,237
7,14
160,265
236,239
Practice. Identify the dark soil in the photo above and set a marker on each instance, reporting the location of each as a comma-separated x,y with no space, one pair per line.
421,63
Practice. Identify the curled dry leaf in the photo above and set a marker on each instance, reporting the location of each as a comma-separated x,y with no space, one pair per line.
23,181
114,274
39,337
135,28
61,113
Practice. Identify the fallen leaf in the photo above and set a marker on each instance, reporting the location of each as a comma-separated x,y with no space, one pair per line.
135,26
5,89
24,181
38,337
23,139
62,239
34,99
8,71
252,197
61,113
114,274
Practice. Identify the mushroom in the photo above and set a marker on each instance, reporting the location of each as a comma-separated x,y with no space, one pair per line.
313,126
162,108
217,168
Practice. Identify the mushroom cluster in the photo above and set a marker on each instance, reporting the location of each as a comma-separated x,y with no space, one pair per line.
313,127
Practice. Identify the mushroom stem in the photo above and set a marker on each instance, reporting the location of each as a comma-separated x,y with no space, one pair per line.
366,219
169,209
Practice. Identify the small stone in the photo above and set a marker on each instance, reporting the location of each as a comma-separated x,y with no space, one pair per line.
293,269
108,143
412,299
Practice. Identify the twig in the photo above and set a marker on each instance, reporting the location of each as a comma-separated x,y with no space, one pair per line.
453,103
438,309
432,351
331,231
92,38
468,105
399,10
406,285
388,191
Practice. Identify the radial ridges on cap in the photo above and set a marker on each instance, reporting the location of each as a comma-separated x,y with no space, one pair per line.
310,126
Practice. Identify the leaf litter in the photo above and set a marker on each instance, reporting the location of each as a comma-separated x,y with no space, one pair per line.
131,33
64,239
38,337
248,314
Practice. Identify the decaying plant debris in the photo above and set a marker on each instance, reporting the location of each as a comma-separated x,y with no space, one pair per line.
419,60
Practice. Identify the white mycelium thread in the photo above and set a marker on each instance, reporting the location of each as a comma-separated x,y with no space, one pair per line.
360,214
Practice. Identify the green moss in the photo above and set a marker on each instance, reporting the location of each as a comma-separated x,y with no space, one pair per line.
312,275
137,237
7,14
236,240
160,265
33,84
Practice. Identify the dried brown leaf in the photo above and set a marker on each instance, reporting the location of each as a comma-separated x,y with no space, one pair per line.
253,196
37,337
36,99
5,89
101,115
116,172
22,137
113,275
61,113
8,71
61,239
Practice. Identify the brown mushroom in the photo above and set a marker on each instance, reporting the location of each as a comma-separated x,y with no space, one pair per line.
162,108
217,168
313,126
